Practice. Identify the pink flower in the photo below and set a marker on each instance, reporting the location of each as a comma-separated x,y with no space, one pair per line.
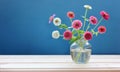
67,35
101,29
51,18
87,35
77,24
93,20
70,14
105,15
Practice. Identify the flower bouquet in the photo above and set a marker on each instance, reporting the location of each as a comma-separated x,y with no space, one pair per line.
79,33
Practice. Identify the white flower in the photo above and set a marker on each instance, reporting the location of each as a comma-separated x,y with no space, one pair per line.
55,34
87,7
57,21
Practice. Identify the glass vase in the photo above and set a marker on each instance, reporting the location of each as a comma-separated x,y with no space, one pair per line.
80,51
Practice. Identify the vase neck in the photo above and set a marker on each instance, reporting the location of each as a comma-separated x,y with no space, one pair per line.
81,42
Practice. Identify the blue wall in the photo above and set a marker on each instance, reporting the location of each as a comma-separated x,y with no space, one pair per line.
24,27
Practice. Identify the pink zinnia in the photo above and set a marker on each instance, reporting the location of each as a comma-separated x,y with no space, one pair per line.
101,29
87,35
105,15
70,14
51,18
93,20
67,35
77,24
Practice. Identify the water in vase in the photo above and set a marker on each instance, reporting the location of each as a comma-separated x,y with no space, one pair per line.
81,56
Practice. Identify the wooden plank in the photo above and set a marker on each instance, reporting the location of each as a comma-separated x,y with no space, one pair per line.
60,58
58,63
59,70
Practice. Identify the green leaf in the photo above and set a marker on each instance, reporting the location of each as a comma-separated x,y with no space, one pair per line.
80,31
74,39
63,26
86,19
96,33
74,31
93,32
77,32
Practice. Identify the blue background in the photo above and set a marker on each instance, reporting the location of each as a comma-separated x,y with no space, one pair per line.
24,27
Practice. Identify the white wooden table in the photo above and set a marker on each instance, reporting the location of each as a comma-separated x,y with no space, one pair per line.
58,63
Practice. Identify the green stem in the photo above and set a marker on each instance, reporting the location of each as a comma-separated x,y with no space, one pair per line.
98,23
78,34
71,20
71,23
79,54
85,18
88,26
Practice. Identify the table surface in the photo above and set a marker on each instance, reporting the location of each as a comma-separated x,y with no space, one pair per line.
58,63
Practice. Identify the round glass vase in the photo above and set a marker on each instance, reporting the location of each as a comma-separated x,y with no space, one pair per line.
80,51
